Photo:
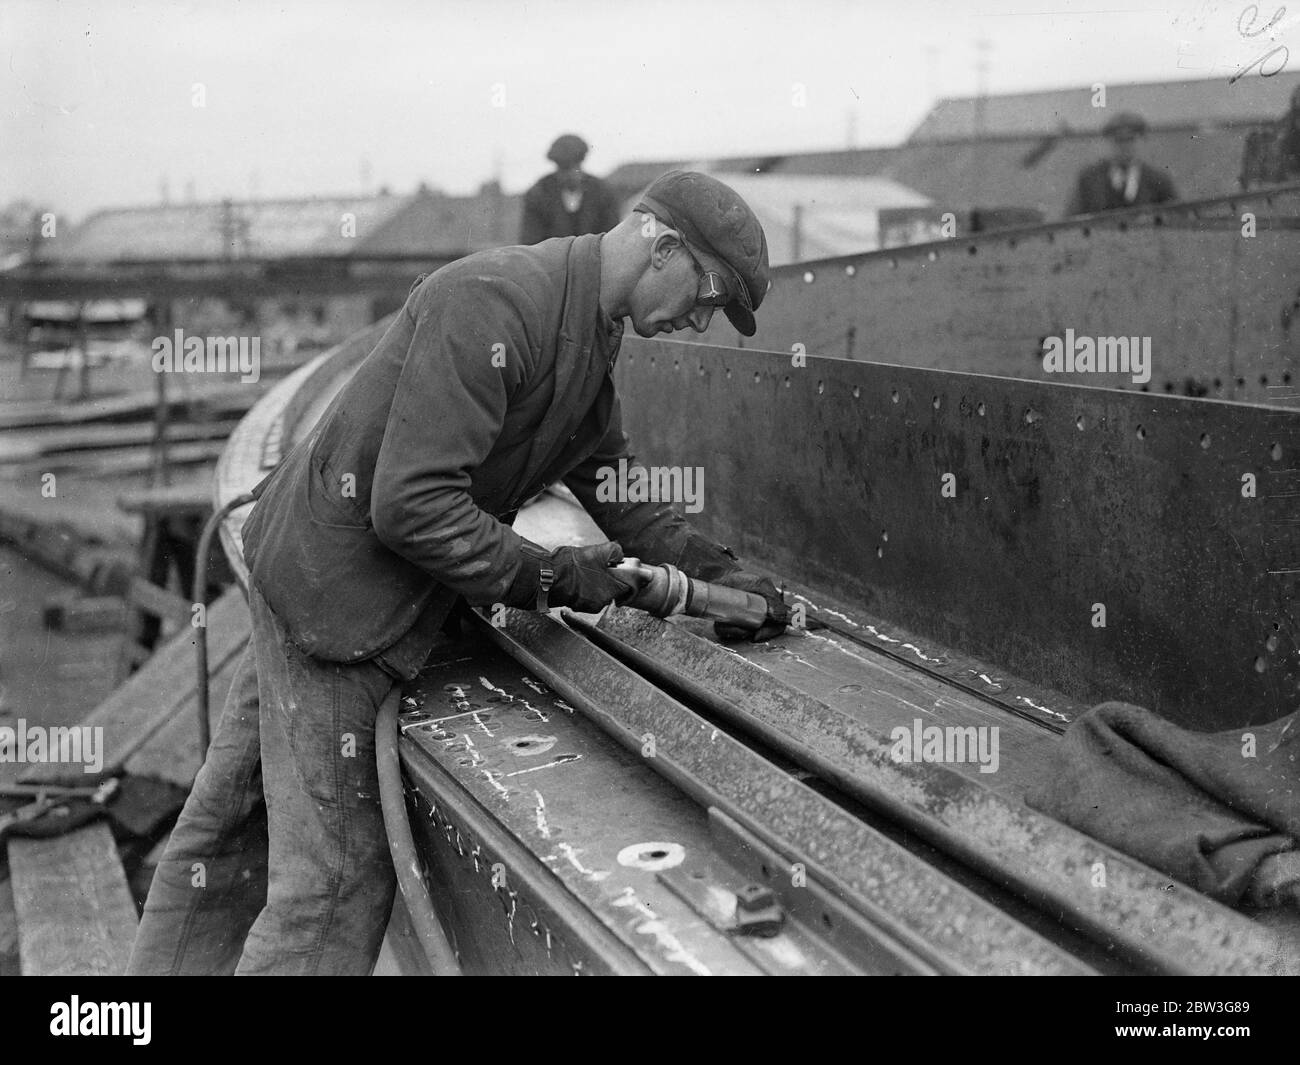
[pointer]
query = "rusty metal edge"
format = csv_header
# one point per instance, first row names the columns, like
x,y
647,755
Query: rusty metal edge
x,y
979,931
1120,220
529,876
1185,933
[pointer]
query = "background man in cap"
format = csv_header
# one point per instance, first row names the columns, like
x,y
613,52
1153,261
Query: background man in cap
x,y
568,202
1121,180
1272,153
495,380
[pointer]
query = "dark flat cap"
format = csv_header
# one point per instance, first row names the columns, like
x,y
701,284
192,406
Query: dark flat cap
x,y
568,150
713,217
1126,123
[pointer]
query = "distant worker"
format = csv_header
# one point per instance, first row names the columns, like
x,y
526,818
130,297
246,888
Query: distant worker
x,y
1121,180
1272,154
569,202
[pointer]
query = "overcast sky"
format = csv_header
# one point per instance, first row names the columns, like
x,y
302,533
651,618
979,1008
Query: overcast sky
x,y
310,97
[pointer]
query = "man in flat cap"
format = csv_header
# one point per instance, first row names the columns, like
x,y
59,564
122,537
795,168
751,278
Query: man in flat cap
x,y
1271,154
1121,180
569,201
495,380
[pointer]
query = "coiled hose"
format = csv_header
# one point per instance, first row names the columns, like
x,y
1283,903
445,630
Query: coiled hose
x,y
406,860
199,596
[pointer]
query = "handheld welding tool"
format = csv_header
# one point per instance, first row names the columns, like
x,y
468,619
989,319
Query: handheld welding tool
x,y
665,590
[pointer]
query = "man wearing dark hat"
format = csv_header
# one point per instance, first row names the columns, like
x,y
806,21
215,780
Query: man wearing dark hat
x,y
1271,153
568,202
495,380
1121,180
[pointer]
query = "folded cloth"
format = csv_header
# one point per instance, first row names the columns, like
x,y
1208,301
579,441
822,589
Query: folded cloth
x,y
1219,811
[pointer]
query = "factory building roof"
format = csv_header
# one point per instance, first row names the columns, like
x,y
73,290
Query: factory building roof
x,y
421,223
1202,103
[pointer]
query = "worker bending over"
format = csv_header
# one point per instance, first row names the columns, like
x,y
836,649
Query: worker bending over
x,y
495,380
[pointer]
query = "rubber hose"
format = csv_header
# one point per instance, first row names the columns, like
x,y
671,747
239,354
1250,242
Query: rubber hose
x,y
199,595
406,860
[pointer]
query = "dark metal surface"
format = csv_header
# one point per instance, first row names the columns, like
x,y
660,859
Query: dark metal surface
x,y
523,783
1140,914
1220,308
833,473
849,627
521,925
910,904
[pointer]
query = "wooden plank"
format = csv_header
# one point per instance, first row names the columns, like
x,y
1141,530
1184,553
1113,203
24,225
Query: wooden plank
x,y
117,460
37,413
168,500
163,687
74,909
27,445
74,612
172,753
159,601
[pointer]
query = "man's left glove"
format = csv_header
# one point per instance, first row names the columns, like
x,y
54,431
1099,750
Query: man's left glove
x,y
778,611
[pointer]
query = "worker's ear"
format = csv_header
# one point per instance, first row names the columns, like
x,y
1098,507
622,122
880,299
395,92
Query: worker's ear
x,y
665,245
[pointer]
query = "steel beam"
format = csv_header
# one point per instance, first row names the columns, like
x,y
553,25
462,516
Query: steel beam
x,y
1104,544
1212,283
1139,912
911,904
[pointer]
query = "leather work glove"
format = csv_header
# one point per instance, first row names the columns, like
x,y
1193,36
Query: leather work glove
x,y
778,612
576,577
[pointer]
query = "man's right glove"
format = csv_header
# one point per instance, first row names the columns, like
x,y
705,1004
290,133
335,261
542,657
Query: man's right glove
x,y
576,577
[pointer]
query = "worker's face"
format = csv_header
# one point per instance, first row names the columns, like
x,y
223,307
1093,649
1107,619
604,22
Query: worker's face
x,y
1123,148
665,299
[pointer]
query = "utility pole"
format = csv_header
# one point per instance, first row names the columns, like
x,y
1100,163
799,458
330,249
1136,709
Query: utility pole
x,y
975,184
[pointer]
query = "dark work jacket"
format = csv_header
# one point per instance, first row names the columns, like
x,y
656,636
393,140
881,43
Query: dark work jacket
x,y
493,381
544,214
1093,192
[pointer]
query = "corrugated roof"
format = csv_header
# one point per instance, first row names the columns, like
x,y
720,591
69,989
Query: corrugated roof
x,y
264,229
425,223
1169,104
433,224
1037,172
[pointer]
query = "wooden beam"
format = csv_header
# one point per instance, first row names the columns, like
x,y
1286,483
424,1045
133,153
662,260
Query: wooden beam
x,y
155,600
163,688
35,443
74,612
74,909
172,753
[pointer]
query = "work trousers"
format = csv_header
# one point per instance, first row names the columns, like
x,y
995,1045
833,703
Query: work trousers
x,y
279,863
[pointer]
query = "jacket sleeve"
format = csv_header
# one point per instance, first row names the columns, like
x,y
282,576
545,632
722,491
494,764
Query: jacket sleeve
x,y
1164,186
470,352
652,532
533,228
